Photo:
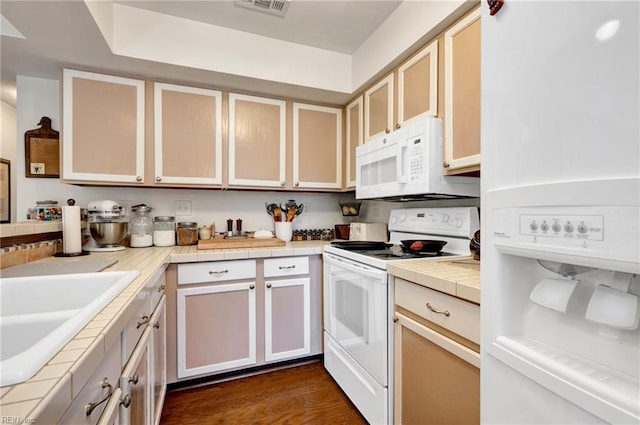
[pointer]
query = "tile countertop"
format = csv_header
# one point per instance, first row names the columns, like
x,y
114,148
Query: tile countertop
x,y
46,396
460,277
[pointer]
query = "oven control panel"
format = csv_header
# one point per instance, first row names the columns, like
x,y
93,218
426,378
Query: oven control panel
x,y
455,221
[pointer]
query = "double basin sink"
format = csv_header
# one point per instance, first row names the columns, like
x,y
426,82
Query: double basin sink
x,y
39,315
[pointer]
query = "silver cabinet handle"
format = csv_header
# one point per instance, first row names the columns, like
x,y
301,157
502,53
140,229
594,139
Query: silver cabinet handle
x,y
397,125
134,378
91,406
435,310
282,184
145,320
287,267
386,130
218,272
161,288
268,285
138,178
445,165
126,401
158,179
252,286
157,325
297,184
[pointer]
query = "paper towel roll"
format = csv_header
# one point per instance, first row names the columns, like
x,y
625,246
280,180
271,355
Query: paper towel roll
x,y
71,230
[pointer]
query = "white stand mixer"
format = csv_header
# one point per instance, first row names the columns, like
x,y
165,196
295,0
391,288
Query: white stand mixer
x,y
108,226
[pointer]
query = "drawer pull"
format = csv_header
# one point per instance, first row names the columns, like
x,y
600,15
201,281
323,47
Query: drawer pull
x,y
126,401
134,379
157,325
252,286
287,267
145,320
435,310
218,272
268,285
161,288
91,406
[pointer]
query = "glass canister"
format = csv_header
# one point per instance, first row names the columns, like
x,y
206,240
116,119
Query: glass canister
x,y
187,233
164,230
141,226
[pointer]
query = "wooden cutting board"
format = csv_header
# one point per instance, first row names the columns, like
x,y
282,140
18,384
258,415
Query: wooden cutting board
x,y
222,243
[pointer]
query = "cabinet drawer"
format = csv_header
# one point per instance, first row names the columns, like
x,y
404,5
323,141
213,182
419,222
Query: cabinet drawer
x,y
216,271
458,316
287,266
95,390
134,327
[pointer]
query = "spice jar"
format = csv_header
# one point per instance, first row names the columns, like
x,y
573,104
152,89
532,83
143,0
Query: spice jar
x,y
164,230
187,233
141,226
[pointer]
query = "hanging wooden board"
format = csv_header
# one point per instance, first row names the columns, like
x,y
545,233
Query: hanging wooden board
x,y
222,243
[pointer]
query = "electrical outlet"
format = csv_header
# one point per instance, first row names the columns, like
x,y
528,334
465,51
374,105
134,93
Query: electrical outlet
x,y
375,211
182,208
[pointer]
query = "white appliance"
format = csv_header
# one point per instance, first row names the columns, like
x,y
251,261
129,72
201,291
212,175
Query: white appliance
x,y
358,301
406,164
560,207
368,232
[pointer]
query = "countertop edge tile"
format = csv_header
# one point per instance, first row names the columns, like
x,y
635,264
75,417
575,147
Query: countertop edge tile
x,y
82,370
53,407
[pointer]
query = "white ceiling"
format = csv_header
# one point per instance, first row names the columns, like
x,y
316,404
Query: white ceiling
x,y
65,33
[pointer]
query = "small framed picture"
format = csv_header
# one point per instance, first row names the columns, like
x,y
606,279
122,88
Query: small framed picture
x,y
5,191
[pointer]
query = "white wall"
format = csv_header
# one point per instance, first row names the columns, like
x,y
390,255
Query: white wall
x,y
39,97
8,145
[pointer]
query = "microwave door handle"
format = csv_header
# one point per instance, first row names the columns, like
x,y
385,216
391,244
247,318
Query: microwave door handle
x,y
402,151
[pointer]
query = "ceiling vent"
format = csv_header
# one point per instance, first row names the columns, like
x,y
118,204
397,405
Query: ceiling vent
x,y
273,7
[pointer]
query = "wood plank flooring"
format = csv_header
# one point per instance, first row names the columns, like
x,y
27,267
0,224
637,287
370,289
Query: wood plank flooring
x,y
299,395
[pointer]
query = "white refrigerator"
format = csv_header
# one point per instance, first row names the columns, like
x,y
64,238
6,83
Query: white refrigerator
x,y
560,213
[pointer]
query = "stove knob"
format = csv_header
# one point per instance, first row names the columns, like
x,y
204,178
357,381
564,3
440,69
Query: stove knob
x,y
403,217
459,222
445,218
394,219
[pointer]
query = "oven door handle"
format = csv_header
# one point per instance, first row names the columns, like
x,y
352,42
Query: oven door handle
x,y
355,267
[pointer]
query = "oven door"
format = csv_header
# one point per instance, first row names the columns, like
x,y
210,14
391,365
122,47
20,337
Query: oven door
x,y
355,312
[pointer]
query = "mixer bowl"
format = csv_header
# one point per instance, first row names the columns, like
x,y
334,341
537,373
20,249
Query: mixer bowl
x,y
109,234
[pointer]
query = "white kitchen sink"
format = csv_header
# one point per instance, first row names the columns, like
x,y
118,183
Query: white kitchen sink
x,y
40,314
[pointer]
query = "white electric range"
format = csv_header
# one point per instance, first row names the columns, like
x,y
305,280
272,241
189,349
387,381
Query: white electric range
x,y
358,300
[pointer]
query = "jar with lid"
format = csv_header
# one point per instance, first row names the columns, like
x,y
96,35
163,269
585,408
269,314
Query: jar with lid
x,y
141,226
164,230
187,233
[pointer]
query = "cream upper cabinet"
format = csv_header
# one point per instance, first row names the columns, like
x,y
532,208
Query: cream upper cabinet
x,y
317,147
378,105
102,128
187,135
418,85
353,138
462,95
257,141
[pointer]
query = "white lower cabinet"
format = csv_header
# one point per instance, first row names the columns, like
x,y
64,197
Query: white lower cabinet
x,y
158,360
232,315
135,383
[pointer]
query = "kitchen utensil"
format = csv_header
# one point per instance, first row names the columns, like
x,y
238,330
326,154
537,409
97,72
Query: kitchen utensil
x,y
277,214
425,245
109,234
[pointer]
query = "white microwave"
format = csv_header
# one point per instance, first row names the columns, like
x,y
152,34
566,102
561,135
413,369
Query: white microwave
x,y
407,164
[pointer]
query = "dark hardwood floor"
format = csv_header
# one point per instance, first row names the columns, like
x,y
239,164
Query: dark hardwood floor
x,y
299,395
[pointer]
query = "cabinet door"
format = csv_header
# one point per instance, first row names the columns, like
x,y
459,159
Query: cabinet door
x,y
378,106
187,135
462,93
136,385
158,360
436,380
216,328
257,141
317,147
102,128
353,139
287,318
418,85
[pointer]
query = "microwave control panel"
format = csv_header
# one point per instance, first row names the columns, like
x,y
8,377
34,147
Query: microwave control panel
x,y
416,158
